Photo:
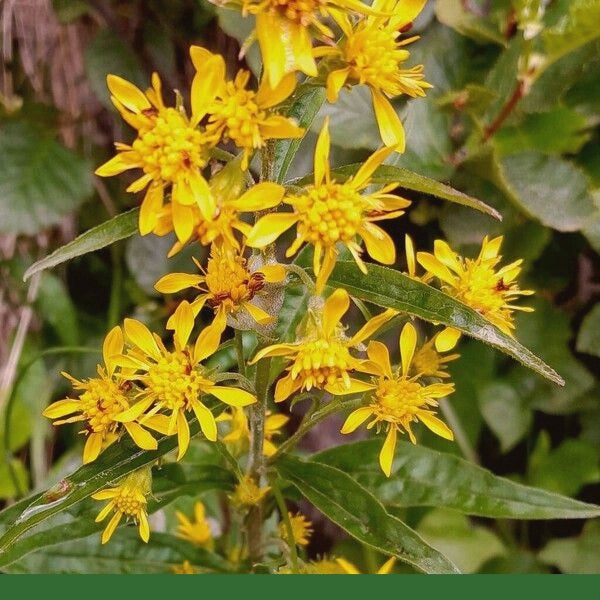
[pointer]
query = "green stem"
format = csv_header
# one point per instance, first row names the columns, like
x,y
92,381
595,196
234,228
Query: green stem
x,y
462,440
114,306
303,275
287,523
239,350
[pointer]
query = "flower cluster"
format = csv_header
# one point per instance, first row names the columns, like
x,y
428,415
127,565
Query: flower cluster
x,y
153,385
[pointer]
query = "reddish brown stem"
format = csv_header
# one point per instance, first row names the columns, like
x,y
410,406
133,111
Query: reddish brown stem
x,y
506,110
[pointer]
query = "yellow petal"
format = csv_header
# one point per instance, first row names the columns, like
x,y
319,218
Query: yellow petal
x,y
61,408
326,269
92,448
127,94
266,96
104,512
112,525
285,387
446,255
139,184
106,494
202,195
431,264
231,396
150,208
183,221
141,437
490,248
390,126
117,164
183,434
356,418
183,323
446,340
274,350
258,314
379,354
144,526
199,56
210,337
335,82
436,425
273,273
356,386
205,85
410,255
206,420
259,197
322,154
371,326
388,565
269,228
408,343
113,344
361,179
378,243
140,336
336,306
131,414
175,282
347,566
386,456
405,12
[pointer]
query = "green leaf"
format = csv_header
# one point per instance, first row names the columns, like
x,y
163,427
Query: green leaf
x,y
75,520
118,228
467,545
15,469
304,109
588,340
126,554
549,189
55,306
409,180
424,477
577,555
392,289
41,181
353,508
455,14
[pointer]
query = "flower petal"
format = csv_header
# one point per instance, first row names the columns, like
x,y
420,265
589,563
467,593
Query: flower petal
x,y
447,339
183,434
390,125
408,343
113,344
206,420
61,408
386,456
269,228
210,337
361,179
335,82
267,96
259,197
127,94
140,436
380,355
371,326
92,448
231,396
209,78
140,336
150,208
380,245
175,282
322,154
183,323
336,306
356,418
436,425
112,525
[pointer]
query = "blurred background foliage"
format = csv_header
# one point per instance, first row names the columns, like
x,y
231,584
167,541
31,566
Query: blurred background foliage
x,y
515,123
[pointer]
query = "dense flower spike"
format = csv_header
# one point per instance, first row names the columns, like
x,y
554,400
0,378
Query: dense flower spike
x,y
169,148
321,359
372,54
285,30
102,399
330,213
240,114
398,399
228,285
175,380
302,529
128,499
476,281
198,531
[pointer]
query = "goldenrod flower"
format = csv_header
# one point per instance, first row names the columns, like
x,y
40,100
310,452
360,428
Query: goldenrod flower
x,y
175,380
322,359
398,399
102,399
371,53
328,213
239,434
242,115
285,30
221,226
248,493
302,529
430,362
227,285
198,531
128,499
185,568
476,281
169,148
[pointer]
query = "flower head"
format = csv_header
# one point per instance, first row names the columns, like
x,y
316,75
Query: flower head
x,y
371,53
243,115
184,568
248,493
128,499
321,359
174,381
102,399
398,399
329,213
476,281
169,148
302,529
227,285
431,362
197,532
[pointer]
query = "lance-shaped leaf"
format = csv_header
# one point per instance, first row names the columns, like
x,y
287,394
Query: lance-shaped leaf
x,y
424,477
354,509
392,289
118,228
410,180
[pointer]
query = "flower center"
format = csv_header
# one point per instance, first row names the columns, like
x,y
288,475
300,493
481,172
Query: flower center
x,y
170,146
397,399
102,400
330,213
173,381
298,11
480,288
236,115
322,362
128,502
229,282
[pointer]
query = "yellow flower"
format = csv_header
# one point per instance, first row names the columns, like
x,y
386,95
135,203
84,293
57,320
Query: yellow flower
x,y
198,531
285,30
248,493
398,399
243,115
184,569
328,213
228,286
322,359
371,54
169,148
429,362
350,569
175,380
102,399
301,529
127,499
239,433
335,566
476,282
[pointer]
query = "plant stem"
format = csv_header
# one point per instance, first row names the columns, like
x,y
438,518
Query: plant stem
x,y
517,94
239,350
460,435
287,523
